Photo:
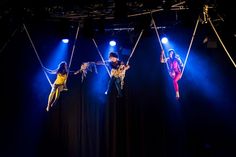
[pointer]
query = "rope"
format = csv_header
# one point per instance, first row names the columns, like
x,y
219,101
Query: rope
x,y
101,57
185,61
154,23
222,43
158,37
37,55
134,47
73,49
72,53
103,61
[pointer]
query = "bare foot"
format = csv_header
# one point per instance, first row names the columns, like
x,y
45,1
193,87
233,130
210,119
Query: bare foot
x,y
47,109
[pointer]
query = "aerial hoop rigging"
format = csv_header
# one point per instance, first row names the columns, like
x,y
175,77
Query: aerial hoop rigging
x,y
173,63
42,66
73,49
39,59
190,45
180,72
131,54
106,66
206,19
226,51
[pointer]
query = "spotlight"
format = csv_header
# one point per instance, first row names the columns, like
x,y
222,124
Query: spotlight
x,y
65,41
112,43
164,40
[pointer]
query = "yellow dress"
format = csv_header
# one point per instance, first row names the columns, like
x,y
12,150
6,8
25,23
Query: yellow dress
x,y
61,78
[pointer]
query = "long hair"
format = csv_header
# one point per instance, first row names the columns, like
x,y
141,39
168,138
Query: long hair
x,y
62,68
173,55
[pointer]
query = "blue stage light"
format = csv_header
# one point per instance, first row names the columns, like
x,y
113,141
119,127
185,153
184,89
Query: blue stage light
x,y
112,43
65,41
164,40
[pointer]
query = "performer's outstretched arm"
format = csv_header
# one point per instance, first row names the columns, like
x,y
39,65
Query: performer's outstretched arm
x,y
50,71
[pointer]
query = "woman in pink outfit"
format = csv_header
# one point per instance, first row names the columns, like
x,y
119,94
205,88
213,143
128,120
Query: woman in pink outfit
x,y
175,68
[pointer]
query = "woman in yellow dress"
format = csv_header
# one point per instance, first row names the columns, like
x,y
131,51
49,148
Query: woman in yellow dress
x,y
59,84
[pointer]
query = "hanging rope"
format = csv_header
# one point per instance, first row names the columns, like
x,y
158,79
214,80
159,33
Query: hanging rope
x,y
101,57
186,59
131,54
158,37
103,61
37,55
73,49
72,52
222,43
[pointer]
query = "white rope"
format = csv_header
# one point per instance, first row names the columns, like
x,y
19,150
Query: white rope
x,y
72,52
158,37
37,55
222,43
101,57
73,49
131,54
186,59
103,61
128,58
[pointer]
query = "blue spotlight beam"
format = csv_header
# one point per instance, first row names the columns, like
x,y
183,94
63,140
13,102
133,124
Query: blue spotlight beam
x,y
185,61
37,55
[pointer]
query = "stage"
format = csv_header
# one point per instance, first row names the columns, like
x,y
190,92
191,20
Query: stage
x,y
148,121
